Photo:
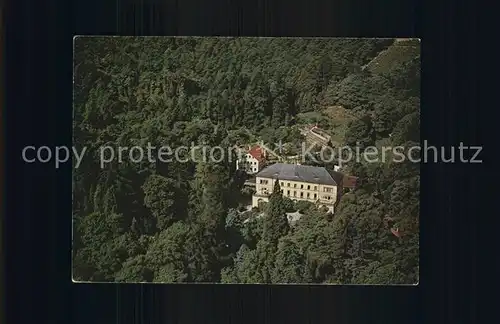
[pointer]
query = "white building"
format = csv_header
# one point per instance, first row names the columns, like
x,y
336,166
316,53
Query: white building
x,y
252,161
299,183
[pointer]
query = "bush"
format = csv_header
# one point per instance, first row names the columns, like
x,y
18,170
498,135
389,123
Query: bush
x,y
302,206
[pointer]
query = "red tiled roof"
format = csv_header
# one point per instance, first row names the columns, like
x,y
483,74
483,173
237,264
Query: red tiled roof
x,y
257,153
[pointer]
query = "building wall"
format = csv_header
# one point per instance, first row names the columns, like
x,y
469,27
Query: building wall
x,y
250,165
297,190
257,199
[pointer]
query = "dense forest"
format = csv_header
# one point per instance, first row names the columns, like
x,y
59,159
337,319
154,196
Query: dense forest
x,y
184,222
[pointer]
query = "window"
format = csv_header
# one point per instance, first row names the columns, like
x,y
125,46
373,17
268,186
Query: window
x,y
308,195
254,169
326,189
288,192
282,184
301,195
328,197
288,184
301,186
295,185
308,187
295,193
315,196
315,188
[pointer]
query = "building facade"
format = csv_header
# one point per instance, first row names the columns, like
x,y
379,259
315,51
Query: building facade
x,y
298,182
252,161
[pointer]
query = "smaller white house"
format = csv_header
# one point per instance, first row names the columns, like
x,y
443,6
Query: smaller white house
x,y
252,161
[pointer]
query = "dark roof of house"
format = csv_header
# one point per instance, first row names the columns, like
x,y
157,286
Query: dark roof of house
x,y
338,177
293,172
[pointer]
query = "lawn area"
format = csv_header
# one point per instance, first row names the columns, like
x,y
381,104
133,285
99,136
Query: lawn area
x,y
338,118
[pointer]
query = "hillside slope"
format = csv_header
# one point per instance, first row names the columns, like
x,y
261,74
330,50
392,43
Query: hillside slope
x,y
402,50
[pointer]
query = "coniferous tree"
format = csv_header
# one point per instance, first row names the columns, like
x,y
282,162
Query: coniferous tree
x,y
276,222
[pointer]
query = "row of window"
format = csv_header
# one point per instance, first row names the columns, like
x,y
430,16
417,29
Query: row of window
x,y
249,169
247,166
307,195
282,184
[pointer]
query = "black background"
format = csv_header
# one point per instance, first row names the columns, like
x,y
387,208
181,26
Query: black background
x,y
37,222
